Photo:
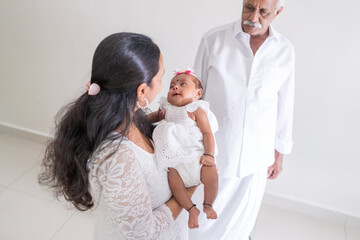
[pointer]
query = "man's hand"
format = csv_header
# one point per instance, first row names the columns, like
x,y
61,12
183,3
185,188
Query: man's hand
x,y
275,169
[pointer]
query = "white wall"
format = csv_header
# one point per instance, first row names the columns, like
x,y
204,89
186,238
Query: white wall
x,y
45,57
47,46
324,167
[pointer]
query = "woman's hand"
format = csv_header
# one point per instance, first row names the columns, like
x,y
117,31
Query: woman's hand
x,y
174,205
157,116
161,114
191,190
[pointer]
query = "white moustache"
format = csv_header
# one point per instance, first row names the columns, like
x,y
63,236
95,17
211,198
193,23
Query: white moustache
x,y
253,24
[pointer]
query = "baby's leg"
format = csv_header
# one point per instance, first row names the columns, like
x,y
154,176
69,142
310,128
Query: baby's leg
x,y
182,197
209,177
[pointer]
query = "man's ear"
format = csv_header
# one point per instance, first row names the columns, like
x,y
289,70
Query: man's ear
x,y
199,94
279,11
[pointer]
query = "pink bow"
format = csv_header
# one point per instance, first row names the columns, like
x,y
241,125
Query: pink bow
x,y
188,71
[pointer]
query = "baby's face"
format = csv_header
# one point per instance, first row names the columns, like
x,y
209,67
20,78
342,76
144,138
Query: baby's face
x,y
183,90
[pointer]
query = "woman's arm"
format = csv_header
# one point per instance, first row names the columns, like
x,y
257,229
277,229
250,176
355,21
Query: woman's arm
x,y
126,199
208,137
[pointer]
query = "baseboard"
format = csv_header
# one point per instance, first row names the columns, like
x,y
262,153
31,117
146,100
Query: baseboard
x,y
25,133
312,210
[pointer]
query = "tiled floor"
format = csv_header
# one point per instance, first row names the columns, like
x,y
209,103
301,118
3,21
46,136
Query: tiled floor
x,y
29,212
274,223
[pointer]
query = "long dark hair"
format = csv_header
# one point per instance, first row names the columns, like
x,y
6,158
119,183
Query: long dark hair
x,y
121,62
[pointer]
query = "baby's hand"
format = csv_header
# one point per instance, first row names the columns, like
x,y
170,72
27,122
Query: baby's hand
x,y
207,160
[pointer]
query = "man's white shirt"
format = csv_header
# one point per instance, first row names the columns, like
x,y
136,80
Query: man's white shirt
x,y
251,96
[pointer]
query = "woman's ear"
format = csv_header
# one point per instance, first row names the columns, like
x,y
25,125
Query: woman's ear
x,y
141,91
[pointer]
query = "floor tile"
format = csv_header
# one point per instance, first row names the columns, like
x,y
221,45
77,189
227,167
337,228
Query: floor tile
x,y
28,183
352,233
80,226
277,224
353,222
17,157
27,217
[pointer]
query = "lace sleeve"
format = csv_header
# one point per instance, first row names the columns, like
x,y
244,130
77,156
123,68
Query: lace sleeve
x,y
127,201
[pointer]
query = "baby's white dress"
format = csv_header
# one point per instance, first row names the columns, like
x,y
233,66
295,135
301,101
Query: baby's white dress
x,y
179,142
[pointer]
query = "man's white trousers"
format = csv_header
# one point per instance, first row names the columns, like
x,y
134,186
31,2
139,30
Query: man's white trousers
x,y
237,204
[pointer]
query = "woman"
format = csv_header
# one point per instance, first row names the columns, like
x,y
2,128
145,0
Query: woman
x,y
102,153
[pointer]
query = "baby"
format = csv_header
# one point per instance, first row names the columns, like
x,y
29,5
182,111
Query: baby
x,y
185,144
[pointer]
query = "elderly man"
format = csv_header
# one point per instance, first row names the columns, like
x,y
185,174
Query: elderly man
x,y
248,73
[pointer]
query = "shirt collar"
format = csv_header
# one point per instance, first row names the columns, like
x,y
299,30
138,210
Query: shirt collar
x,y
238,31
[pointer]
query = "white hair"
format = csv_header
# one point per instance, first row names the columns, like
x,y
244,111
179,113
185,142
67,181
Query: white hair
x,y
279,4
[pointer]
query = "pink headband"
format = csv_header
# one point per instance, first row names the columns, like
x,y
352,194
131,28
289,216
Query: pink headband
x,y
188,71
92,88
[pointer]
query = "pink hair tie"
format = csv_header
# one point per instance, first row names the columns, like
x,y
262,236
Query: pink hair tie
x,y
94,89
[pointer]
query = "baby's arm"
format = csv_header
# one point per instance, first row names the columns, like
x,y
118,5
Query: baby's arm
x,y
208,137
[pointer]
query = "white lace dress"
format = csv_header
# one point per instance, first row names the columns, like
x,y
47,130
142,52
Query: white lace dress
x,y
130,192
179,142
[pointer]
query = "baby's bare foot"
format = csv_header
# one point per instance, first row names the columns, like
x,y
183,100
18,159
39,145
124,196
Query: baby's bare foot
x,y
210,212
194,213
